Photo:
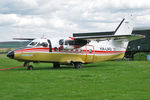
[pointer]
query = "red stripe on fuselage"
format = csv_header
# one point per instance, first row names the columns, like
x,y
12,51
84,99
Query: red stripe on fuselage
x,y
66,51
32,50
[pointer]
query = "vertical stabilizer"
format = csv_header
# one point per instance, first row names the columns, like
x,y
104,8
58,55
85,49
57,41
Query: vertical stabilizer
x,y
126,26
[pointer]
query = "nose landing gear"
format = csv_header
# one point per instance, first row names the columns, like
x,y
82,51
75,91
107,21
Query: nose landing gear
x,y
29,67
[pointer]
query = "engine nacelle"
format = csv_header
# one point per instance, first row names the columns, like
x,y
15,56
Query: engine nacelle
x,y
67,43
72,44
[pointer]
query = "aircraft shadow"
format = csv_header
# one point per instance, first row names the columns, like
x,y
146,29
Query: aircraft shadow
x,y
51,68
63,67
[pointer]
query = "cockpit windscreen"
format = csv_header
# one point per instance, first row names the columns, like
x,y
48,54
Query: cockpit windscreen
x,y
38,44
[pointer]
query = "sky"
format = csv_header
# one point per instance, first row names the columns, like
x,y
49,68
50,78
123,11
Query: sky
x,y
61,18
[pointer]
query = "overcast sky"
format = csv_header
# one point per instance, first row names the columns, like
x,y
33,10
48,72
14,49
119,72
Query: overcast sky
x,y
60,18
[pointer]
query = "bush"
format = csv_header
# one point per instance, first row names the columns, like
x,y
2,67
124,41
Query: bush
x,y
140,56
4,50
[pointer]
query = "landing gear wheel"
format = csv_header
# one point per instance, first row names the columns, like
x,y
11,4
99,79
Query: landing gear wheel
x,y
30,67
56,65
26,64
77,65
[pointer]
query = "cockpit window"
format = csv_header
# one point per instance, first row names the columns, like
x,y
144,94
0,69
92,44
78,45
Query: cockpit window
x,y
32,43
37,44
43,44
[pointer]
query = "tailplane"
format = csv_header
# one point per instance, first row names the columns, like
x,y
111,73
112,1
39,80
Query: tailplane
x,y
125,27
122,32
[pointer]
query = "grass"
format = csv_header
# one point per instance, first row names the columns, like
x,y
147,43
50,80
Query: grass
x,y
111,80
141,56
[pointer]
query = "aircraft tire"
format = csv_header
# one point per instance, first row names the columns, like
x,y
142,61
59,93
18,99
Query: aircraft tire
x,y
56,65
30,67
77,65
26,64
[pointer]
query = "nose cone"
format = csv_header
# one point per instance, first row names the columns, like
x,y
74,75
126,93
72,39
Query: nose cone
x,y
10,54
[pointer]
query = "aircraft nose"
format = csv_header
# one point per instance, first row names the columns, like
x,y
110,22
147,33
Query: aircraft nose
x,y
10,54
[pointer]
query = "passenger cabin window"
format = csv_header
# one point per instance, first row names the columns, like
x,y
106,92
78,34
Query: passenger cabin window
x,y
61,41
90,50
55,48
73,42
79,50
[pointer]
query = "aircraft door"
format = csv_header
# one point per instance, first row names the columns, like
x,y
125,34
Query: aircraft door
x,y
50,46
90,53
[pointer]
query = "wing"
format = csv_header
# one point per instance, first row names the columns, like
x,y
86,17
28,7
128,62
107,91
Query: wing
x,y
24,39
108,37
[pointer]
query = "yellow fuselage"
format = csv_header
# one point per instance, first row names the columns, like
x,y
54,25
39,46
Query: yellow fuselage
x,y
67,56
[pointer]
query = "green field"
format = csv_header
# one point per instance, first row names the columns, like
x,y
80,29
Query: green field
x,y
113,80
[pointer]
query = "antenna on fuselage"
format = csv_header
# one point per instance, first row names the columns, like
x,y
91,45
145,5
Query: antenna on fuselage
x,y
43,36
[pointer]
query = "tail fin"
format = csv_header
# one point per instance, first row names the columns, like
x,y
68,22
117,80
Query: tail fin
x,y
122,32
125,27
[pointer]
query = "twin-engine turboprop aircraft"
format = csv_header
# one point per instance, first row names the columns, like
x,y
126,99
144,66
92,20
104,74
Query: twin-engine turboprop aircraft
x,y
77,50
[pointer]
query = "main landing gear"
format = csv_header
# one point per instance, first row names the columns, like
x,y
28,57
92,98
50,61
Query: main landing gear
x,y
77,65
56,65
29,67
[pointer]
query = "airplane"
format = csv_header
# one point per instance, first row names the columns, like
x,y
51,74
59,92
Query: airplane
x,y
77,50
